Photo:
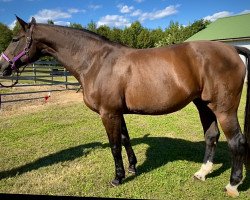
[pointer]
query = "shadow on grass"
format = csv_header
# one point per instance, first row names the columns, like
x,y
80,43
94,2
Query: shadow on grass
x,y
61,156
161,150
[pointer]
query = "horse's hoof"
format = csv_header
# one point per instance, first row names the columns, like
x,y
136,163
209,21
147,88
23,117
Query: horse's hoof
x,y
116,182
198,176
231,191
132,170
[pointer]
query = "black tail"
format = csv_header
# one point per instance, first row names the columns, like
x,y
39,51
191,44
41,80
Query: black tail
x,y
246,52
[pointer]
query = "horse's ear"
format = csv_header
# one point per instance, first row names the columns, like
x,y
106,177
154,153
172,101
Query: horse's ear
x,y
23,24
33,21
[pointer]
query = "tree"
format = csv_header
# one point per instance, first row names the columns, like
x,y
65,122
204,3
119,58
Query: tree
x,y
104,31
16,28
157,35
144,39
5,37
76,26
130,34
50,21
115,35
177,33
174,32
195,27
92,26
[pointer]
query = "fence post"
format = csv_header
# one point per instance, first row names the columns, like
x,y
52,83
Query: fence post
x,y
34,72
12,78
66,78
52,73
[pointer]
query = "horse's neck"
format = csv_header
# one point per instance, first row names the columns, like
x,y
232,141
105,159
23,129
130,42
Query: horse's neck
x,y
73,50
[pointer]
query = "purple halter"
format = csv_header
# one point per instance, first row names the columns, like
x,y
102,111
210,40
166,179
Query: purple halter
x,y
16,58
21,54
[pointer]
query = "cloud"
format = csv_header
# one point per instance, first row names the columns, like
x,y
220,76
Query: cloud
x,y
222,14
62,23
139,1
44,15
113,20
218,15
158,14
137,12
245,12
12,25
75,10
125,9
95,6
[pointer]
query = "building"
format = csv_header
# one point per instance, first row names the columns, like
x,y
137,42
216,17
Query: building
x,y
234,30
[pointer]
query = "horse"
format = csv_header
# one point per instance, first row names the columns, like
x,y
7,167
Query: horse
x,y
118,80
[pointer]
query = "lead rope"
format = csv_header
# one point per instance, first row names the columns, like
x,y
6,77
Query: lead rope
x,y
18,73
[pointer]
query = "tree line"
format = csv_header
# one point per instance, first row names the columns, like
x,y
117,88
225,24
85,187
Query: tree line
x,y
135,36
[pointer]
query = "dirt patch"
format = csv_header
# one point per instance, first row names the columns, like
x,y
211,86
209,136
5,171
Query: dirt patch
x,y
37,100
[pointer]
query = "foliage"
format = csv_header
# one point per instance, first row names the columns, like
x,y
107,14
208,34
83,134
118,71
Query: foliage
x,y
16,28
115,35
76,26
92,26
130,34
50,22
104,31
5,37
177,33
144,39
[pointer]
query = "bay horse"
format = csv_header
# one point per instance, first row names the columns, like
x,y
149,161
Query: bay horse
x,y
118,80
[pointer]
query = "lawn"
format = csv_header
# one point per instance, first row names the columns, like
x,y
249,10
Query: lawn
x,y
64,150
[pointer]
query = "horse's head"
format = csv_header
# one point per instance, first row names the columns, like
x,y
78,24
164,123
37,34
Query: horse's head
x,y
22,49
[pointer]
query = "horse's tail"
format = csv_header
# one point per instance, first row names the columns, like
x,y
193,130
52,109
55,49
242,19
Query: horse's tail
x,y
246,52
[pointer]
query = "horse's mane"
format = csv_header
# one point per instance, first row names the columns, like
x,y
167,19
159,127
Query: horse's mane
x,y
84,32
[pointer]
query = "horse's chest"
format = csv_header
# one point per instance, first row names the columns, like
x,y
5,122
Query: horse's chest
x,y
92,99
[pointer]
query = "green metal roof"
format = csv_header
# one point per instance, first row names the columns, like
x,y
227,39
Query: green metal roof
x,y
233,27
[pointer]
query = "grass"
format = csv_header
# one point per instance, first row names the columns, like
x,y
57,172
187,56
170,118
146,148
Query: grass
x,y
64,150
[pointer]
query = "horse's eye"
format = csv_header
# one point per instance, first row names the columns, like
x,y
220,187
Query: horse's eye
x,y
15,39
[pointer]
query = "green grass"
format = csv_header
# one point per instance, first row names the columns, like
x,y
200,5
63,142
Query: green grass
x,y
64,150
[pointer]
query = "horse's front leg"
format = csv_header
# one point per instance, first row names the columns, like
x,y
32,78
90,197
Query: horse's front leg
x,y
112,123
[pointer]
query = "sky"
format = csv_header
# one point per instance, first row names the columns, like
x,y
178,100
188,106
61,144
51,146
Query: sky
x,y
120,13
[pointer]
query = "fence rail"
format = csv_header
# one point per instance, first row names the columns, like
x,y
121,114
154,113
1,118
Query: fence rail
x,y
38,74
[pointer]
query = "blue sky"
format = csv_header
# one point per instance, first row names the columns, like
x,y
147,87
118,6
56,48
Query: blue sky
x,y
120,13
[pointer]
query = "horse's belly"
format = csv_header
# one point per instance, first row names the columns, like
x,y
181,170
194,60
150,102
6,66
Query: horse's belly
x,y
157,102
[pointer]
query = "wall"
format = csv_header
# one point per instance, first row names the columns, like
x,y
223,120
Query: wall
x,y
241,43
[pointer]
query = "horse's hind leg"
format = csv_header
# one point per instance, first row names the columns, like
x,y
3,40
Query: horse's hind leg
x,y
211,132
126,143
237,145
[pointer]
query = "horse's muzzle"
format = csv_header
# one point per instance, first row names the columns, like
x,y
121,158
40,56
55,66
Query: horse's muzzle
x,y
5,68
7,72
